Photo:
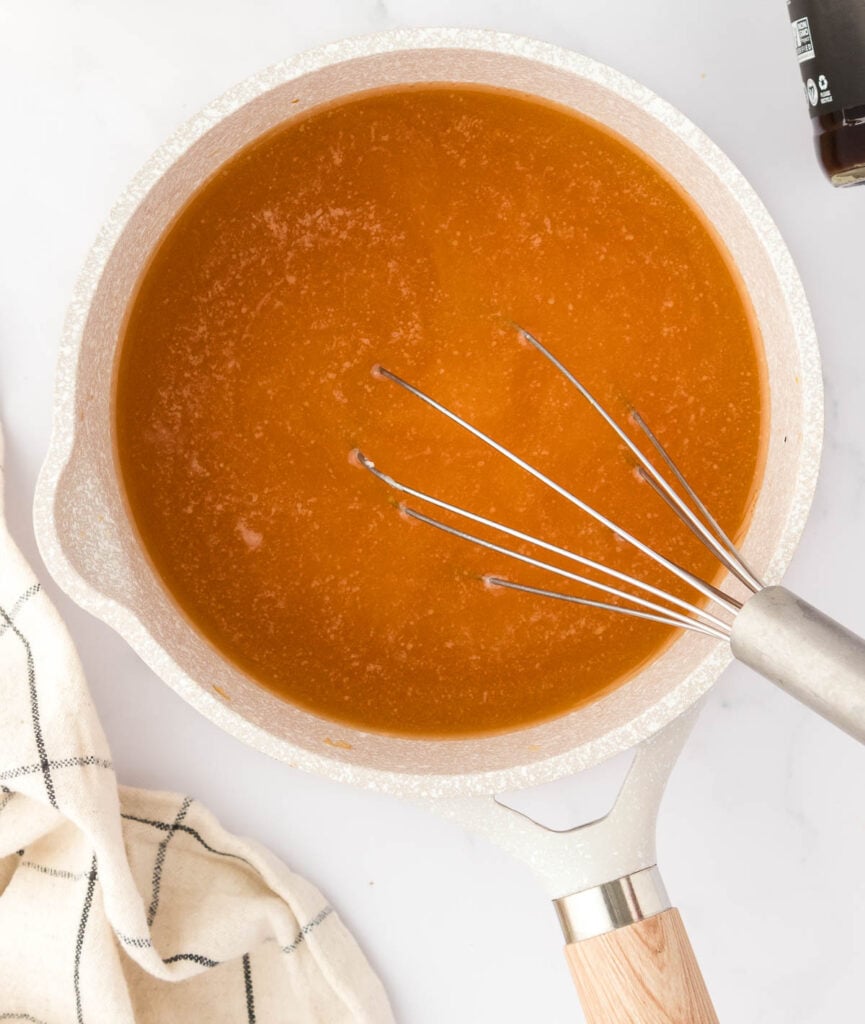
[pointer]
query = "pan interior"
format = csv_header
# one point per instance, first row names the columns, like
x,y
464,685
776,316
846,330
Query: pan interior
x,y
412,227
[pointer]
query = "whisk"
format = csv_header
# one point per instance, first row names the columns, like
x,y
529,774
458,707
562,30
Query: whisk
x,y
772,630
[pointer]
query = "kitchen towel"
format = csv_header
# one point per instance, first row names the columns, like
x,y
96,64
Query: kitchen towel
x,y
120,905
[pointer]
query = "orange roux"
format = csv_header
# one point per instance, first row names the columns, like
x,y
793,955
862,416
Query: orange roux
x,y
410,227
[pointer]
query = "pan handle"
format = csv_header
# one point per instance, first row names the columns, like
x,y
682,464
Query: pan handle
x,y
806,653
630,956
645,973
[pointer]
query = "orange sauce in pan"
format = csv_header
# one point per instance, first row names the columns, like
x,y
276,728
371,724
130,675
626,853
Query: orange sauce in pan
x,y
410,228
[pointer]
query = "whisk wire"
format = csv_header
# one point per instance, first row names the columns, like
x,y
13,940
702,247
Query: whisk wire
x,y
722,548
661,614
696,627
589,563
706,589
739,566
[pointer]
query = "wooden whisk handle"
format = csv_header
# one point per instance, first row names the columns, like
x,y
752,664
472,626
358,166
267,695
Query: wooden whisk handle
x,y
645,973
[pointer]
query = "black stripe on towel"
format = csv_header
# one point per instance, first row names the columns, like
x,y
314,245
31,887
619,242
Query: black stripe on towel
x,y
73,876
250,996
165,827
63,762
160,859
31,591
34,707
79,942
306,929
196,958
128,940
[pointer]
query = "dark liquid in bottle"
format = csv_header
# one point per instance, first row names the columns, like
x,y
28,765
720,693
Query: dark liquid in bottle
x,y
840,141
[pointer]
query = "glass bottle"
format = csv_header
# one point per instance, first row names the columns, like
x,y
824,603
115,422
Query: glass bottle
x,y
829,36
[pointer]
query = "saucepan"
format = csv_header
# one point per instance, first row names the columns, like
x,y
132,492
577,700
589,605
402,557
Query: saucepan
x,y
629,953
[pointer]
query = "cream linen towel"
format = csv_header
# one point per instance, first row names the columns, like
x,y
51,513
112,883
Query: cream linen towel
x,y
121,905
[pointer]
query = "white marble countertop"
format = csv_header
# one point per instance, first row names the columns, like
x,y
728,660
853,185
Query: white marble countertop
x,y
762,834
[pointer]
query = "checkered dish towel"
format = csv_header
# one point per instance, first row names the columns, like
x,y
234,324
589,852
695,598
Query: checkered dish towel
x,y
121,905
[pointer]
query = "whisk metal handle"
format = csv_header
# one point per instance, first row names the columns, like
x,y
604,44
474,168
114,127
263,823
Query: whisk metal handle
x,y
811,656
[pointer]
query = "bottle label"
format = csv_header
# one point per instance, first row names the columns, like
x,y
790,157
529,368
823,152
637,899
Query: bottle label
x,y
829,36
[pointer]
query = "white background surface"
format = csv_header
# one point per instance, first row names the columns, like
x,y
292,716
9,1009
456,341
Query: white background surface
x,y
762,834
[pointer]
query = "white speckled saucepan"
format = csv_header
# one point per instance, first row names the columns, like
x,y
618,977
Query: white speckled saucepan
x,y
91,549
